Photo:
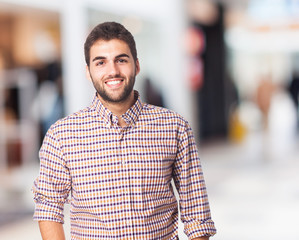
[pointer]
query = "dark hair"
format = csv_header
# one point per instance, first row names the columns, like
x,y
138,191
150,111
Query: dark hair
x,y
108,31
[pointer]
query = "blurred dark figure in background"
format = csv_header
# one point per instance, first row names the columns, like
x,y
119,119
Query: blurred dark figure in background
x,y
50,98
213,96
294,91
152,95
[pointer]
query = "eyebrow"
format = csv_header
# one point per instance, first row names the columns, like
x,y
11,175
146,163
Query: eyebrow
x,y
118,56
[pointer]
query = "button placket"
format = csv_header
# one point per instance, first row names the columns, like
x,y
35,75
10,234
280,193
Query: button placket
x,y
126,184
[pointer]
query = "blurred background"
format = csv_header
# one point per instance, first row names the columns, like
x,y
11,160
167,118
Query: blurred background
x,y
230,67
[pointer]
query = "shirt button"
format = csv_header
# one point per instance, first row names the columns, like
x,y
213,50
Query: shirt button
x,y
121,136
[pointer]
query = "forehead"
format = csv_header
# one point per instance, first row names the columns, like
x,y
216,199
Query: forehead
x,y
110,47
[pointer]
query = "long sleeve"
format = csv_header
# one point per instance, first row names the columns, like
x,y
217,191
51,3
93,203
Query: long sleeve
x,y
51,188
189,181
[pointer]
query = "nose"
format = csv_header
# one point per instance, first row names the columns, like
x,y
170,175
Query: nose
x,y
113,69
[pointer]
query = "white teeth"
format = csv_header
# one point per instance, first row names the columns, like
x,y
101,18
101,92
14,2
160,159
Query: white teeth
x,y
113,82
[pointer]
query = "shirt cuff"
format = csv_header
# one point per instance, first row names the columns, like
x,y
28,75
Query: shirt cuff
x,y
200,229
48,211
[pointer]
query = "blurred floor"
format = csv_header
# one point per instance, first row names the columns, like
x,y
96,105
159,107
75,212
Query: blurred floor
x,y
253,190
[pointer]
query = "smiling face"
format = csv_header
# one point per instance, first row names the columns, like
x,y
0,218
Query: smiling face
x,y
112,71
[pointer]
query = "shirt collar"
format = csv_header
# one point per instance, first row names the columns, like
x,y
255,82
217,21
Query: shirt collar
x,y
130,117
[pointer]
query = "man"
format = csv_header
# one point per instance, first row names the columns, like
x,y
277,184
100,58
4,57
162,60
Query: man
x,y
117,158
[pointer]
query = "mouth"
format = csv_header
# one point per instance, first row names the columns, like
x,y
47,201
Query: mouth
x,y
114,82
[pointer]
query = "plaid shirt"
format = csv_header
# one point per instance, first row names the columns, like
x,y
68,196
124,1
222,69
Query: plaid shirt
x,y
120,178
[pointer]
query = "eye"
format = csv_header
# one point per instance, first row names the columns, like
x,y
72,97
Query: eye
x,y
122,60
100,63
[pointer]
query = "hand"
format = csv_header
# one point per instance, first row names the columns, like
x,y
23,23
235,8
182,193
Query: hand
x,y
201,238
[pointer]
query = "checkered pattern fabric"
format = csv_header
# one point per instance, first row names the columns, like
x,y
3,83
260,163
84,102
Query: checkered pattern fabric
x,y
118,180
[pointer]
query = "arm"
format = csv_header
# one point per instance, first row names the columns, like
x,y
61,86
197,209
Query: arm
x,y
51,188
189,181
51,230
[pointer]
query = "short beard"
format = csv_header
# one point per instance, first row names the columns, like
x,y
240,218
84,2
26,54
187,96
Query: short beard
x,y
121,98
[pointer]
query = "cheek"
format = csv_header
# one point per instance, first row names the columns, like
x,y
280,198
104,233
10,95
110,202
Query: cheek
x,y
97,74
129,72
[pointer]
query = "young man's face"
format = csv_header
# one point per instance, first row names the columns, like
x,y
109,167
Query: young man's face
x,y
112,70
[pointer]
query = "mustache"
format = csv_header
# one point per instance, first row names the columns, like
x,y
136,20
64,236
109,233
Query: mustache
x,y
114,76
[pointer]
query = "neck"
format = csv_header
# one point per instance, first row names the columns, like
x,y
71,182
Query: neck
x,y
119,108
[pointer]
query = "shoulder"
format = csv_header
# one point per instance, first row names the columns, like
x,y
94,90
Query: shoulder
x,y
155,113
74,120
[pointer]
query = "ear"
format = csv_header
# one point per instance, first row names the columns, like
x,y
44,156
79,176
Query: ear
x,y
87,73
137,66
